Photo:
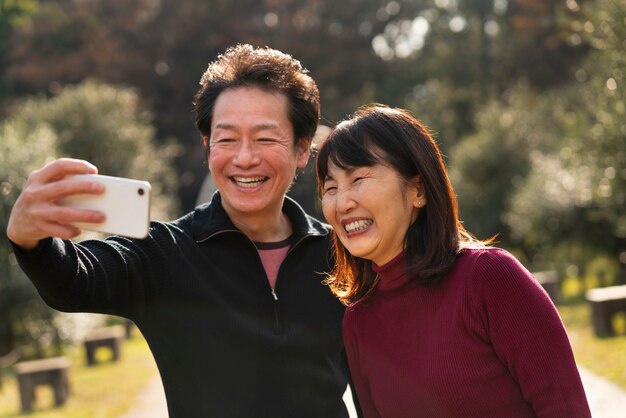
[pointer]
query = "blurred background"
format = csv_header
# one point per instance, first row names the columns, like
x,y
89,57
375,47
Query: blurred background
x,y
525,98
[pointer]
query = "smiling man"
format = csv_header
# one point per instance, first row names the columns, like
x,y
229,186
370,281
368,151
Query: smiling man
x,y
230,296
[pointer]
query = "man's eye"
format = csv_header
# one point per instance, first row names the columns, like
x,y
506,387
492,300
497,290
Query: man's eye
x,y
224,141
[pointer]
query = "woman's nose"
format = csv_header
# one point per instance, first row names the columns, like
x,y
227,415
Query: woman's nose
x,y
345,201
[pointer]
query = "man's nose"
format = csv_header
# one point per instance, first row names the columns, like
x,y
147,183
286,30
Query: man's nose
x,y
246,155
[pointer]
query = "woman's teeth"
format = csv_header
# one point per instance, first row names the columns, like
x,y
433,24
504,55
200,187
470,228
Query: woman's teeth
x,y
358,225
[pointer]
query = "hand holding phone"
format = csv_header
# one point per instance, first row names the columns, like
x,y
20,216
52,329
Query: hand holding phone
x,y
125,203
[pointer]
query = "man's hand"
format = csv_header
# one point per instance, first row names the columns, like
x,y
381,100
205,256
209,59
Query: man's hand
x,y
36,215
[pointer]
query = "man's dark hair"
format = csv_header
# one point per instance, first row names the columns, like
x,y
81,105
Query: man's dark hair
x,y
267,69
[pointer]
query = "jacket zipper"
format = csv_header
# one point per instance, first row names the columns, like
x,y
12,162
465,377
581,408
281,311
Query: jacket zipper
x,y
276,316
277,321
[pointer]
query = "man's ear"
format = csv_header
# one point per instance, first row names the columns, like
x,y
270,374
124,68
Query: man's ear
x,y
303,152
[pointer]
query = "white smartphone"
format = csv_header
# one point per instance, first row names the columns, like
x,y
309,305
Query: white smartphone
x,y
126,203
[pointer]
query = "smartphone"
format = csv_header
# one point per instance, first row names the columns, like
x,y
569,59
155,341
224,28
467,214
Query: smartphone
x,y
125,202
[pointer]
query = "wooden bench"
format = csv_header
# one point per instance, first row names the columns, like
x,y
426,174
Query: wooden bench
x,y
129,326
109,337
551,283
51,371
606,302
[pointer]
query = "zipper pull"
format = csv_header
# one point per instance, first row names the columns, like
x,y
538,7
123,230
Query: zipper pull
x,y
274,294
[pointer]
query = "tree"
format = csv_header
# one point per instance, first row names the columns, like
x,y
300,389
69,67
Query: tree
x,y
13,14
444,59
486,166
577,191
94,121
17,159
107,126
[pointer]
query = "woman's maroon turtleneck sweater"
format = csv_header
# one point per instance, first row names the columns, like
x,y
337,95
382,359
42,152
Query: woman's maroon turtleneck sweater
x,y
485,342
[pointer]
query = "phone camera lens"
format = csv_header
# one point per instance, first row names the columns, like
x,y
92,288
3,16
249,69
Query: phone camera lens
x,y
140,192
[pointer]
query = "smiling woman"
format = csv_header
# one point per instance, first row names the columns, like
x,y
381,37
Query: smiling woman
x,y
438,323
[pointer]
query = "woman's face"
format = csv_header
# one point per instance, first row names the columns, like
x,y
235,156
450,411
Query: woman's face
x,y
370,209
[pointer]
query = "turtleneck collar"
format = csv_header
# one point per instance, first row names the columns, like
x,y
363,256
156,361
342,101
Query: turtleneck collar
x,y
392,274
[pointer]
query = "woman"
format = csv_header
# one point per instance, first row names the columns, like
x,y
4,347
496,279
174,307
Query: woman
x,y
439,324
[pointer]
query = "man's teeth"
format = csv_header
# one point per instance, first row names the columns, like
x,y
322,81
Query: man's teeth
x,y
358,225
248,181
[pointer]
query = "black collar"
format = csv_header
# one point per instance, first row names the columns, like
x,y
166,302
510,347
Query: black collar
x,y
210,219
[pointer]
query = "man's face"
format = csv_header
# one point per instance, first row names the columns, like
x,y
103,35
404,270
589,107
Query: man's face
x,y
252,157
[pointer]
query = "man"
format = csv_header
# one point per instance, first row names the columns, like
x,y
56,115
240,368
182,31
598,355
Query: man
x,y
229,297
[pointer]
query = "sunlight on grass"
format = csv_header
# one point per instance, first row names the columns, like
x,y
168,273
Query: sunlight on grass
x,y
603,356
106,390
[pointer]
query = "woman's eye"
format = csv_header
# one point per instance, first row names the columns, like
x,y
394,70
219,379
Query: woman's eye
x,y
329,189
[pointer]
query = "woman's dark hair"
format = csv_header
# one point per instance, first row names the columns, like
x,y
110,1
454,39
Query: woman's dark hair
x,y
377,134
267,69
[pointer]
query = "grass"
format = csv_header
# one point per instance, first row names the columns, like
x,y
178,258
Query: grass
x,y
106,390
603,356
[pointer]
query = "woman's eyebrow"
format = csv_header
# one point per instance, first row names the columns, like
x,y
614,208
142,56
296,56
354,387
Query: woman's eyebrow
x,y
349,171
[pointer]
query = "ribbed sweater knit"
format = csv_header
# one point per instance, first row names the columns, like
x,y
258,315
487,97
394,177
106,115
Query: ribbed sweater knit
x,y
485,342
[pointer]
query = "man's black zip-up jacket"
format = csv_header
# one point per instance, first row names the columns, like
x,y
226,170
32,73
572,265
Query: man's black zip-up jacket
x,y
224,343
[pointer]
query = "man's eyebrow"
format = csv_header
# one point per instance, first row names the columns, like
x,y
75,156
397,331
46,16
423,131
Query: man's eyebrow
x,y
226,126
265,126
258,127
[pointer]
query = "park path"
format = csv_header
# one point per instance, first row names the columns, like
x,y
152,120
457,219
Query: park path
x,y
606,399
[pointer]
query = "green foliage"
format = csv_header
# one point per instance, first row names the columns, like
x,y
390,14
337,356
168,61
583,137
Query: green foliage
x,y
548,169
576,191
13,13
107,126
23,148
92,121
486,166
443,59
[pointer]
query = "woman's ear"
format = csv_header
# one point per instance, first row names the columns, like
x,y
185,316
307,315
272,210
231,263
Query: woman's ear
x,y
418,195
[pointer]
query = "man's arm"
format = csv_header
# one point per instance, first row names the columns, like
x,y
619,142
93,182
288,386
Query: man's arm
x,y
36,214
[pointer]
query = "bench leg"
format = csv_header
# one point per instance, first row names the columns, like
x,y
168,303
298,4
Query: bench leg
x,y
602,320
91,355
27,393
116,350
61,389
